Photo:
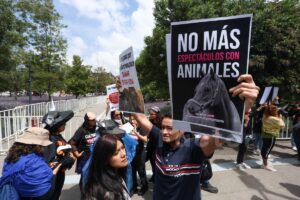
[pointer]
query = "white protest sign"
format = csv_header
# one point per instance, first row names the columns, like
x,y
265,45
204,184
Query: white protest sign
x,y
131,99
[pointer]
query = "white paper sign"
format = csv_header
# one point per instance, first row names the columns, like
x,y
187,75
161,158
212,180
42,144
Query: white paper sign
x,y
113,96
131,99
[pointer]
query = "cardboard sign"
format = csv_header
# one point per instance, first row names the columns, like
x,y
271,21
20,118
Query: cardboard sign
x,y
131,99
207,57
113,96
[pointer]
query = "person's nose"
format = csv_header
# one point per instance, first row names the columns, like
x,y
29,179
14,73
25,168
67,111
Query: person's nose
x,y
164,130
123,153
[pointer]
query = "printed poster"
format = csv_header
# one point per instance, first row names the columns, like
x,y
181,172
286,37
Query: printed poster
x,y
207,57
113,96
131,99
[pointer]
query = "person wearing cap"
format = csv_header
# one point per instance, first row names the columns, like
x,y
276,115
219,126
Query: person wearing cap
x,y
26,168
55,123
81,141
178,159
155,119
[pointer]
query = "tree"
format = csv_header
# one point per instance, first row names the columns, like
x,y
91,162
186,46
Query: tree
x,y
47,47
77,79
100,79
274,52
12,43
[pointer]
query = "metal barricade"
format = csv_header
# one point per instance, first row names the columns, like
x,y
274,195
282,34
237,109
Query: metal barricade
x,y
13,121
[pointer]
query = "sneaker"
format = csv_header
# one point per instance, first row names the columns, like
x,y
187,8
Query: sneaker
x,y
294,148
246,166
240,167
269,168
209,188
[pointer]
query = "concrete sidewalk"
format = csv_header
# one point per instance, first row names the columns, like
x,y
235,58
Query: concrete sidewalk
x,y
252,184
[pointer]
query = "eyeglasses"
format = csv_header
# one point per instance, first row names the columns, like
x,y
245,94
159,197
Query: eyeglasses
x,y
117,114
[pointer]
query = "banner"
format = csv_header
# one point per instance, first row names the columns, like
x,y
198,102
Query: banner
x,y
113,96
131,99
207,57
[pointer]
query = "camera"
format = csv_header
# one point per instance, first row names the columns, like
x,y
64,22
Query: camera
x,y
63,156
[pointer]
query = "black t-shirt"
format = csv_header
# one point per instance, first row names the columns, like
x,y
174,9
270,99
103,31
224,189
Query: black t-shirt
x,y
177,171
83,139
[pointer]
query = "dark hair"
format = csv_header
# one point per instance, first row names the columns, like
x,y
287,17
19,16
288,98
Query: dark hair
x,y
102,178
157,121
112,115
271,110
19,149
167,115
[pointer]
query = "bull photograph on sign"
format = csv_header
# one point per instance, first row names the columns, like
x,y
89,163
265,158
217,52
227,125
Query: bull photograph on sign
x,y
130,99
207,57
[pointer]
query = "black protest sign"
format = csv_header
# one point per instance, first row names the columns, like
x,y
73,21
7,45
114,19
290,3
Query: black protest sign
x,y
207,57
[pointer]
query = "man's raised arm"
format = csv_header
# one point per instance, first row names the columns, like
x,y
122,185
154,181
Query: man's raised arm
x,y
143,122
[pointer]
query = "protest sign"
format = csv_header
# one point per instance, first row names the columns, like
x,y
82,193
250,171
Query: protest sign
x,y
270,93
113,96
207,57
131,99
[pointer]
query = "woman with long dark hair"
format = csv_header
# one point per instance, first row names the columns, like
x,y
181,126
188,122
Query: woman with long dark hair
x,y
107,170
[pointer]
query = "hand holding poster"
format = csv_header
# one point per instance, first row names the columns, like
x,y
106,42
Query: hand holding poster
x,y
113,96
207,57
131,99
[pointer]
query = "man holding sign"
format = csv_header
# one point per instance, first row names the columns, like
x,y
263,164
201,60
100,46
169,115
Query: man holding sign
x,y
179,160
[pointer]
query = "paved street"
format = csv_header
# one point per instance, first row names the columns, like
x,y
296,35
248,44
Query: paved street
x,y
252,184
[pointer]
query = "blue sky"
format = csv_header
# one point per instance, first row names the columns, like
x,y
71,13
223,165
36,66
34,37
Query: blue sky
x,y
99,30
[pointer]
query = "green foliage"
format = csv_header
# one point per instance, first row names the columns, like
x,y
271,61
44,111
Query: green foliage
x,y
100,79
77,78
274,52
11,43
30,35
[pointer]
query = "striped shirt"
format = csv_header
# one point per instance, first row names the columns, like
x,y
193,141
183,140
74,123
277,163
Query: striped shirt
x,y
177,170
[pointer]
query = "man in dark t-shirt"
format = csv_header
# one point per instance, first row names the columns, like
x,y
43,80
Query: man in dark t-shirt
x,y
178,160
83,138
